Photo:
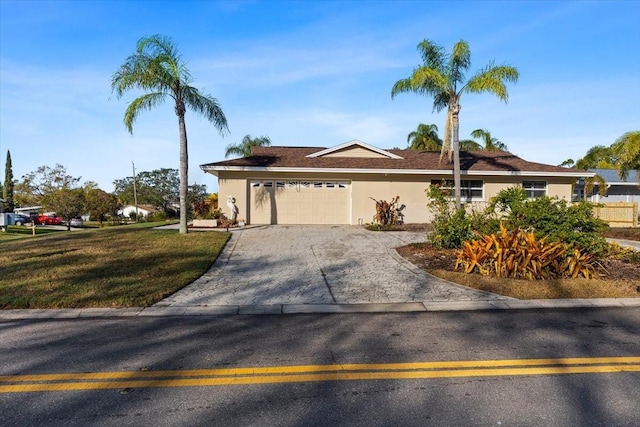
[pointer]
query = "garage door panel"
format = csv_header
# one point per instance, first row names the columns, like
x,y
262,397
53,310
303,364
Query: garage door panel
x,y
299,202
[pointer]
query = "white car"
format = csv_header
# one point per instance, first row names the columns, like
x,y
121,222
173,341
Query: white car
x,y
76,222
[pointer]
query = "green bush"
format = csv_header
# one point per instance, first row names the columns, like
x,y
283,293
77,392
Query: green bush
x,y
156,216
552,219
450,227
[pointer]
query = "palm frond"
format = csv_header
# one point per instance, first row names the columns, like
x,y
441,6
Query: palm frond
x,y
433,56
205,105
493,79
144,102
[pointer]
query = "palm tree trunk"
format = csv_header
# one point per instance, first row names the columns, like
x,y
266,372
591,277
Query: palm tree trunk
x,y
184,173
456,153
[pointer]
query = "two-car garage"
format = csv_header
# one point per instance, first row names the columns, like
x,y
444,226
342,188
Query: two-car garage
x,y
299,201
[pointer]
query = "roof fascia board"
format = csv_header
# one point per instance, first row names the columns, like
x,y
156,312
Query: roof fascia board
x,y
354,142
394,171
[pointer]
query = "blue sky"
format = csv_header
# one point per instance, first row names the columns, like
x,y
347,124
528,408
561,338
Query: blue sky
x,y
308,73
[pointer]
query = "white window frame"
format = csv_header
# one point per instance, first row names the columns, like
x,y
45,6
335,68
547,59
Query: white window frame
x,y
534,192
466,188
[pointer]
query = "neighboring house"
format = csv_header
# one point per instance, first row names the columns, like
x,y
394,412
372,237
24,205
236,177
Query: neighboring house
x,y
143,210
617,189
307,185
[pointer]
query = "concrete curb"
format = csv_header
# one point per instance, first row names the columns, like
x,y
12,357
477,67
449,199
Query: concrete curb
x,y
220,310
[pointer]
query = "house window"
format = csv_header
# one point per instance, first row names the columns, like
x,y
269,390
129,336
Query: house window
x,y
535,189
469,189
279,184
330,184
317,184
267,184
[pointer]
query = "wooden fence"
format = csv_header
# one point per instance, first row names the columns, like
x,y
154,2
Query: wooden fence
x,y
618,214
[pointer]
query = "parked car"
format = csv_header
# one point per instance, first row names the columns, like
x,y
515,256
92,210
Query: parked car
x,y
76,222
50,219
18,219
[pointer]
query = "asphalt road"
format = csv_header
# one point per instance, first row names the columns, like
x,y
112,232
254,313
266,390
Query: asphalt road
x,y
333,391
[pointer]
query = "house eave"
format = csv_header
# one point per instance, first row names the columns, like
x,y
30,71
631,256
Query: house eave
x,y
213,169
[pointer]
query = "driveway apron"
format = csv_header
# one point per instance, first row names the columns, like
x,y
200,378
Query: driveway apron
x,y
273,265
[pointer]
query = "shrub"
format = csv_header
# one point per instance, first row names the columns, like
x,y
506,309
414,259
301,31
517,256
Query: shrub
x,y
156,216
450,226
550,218
519,255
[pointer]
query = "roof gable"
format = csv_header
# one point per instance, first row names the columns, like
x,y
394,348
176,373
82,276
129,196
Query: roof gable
x,y
355,148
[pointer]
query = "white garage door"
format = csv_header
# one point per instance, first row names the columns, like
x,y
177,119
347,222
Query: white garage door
x,y
299,202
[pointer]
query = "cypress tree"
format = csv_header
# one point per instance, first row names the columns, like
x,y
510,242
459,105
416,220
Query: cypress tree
x,y
7,189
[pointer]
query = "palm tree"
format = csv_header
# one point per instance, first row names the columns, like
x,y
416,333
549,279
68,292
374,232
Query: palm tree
x,y
490,143
597,157
469,145
157,69
244,148
442,76
425,137
627,151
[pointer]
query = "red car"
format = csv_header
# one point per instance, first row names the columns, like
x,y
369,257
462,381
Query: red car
x,y
49,219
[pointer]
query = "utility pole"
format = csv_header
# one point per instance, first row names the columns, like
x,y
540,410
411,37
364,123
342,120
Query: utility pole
x,y
135,194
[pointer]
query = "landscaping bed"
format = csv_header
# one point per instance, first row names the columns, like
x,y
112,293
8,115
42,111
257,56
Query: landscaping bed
x,y
617,279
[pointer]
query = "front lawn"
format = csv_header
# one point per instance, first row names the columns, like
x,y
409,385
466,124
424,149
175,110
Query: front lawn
x,y
132,266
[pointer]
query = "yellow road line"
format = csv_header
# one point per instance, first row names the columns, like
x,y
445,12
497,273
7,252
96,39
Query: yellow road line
x,y
327,376
273,370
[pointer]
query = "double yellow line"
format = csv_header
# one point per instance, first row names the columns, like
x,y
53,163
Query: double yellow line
x,y
311,373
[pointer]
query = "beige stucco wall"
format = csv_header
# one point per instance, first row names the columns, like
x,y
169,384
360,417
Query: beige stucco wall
x,y
410,188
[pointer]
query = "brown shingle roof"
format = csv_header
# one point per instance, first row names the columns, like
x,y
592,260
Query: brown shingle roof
x,y
295,157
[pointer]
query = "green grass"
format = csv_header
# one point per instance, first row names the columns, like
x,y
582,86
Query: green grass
x,y
21,232
132,266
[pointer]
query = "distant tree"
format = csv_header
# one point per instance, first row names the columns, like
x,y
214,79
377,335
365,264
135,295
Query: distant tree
x,y
157,69
626,149
33,186
159,188
569,163
442,77
8,187
425,137
490,143
67,203
244,148
99,204
197,194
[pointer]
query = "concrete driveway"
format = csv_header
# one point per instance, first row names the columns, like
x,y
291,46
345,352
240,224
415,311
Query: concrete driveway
x,y
274,265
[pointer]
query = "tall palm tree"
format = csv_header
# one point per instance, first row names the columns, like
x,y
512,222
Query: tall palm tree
x,y
244,148
490,143
442,77
627,151
425,137
157,69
